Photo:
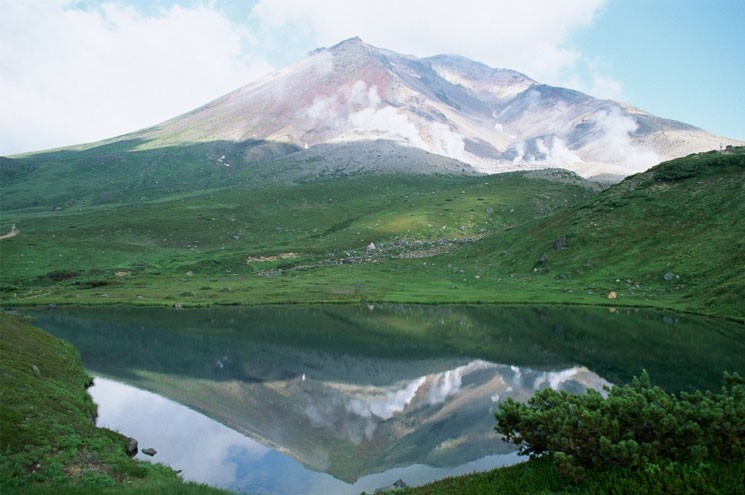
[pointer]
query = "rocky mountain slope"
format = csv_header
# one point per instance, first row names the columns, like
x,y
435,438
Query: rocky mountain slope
x,y
494,120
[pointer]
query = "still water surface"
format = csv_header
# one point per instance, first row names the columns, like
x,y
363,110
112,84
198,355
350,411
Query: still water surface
x,y
344,399
209,452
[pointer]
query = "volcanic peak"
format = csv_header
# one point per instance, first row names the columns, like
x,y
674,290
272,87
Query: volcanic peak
x,y
494,120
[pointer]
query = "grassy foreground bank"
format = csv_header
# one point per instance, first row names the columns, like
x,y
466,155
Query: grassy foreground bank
x,y
48,439
540,477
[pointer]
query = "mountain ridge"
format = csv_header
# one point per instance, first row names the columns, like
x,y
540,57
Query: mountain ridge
x,y
494,120
490,119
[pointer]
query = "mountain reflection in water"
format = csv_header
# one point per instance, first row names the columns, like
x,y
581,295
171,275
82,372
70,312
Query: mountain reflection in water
x,y
372,418
358,413
211,453
352,398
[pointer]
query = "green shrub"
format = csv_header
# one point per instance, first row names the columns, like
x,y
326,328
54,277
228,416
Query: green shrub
x,y
636,426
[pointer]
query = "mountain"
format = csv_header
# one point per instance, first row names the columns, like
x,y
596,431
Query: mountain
x,y
353,109
494,120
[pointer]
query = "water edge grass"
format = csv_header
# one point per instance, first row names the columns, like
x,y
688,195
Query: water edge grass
x,y
48,437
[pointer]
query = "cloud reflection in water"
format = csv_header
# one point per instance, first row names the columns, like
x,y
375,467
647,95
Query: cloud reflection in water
x,y
209,452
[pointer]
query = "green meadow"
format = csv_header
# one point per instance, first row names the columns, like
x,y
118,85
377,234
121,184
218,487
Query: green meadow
x,y
670,237
124,224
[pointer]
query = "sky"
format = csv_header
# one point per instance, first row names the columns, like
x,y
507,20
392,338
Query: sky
x,y
75,71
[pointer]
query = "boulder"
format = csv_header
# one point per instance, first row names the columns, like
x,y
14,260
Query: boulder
x,y
397,485
132,447
149,451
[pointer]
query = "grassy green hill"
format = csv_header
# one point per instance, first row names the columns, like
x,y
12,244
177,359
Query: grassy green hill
x,y
673,234
157,227
262,240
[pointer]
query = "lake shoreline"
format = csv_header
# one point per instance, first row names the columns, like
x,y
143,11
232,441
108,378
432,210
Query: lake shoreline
x,y
633,305
533,476
62,451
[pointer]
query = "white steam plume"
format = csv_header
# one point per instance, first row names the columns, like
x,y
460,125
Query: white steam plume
x,y
616,141
557,154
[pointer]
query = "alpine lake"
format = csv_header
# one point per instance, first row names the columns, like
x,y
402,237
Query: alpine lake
x,y
343,399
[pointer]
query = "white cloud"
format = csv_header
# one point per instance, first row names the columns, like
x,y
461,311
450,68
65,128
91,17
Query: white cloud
x,y
603,86
530,36
323,109
591,79
69,75
157,421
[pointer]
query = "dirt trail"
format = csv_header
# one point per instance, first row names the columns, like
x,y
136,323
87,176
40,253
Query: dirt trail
x,y
10,234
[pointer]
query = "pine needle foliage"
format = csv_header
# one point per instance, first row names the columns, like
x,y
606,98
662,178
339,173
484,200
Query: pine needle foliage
x,y
637,426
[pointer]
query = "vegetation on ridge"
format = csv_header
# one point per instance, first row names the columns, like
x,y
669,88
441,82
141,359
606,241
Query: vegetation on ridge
x,y
671,235
541,477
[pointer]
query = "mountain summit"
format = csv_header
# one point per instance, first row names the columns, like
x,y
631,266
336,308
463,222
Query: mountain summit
x,y
495,120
